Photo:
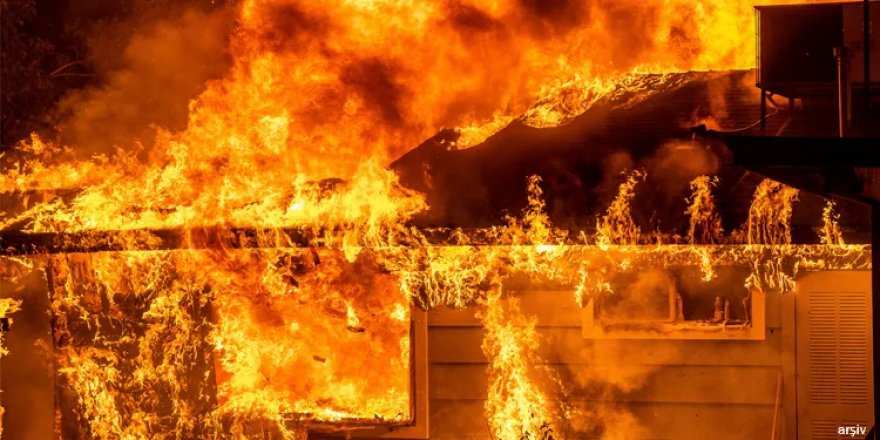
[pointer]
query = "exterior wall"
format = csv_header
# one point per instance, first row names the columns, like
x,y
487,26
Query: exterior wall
x,y
681,389
725,389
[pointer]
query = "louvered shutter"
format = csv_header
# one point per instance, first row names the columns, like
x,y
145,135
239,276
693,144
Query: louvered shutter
x,y
834,363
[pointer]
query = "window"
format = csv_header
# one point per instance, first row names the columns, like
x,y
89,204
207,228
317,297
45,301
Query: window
x,y
676,303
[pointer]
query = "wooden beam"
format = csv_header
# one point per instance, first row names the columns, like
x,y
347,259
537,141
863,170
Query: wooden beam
x,y
18,243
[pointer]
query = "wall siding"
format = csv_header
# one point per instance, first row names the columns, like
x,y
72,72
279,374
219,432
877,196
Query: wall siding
x,y
681,389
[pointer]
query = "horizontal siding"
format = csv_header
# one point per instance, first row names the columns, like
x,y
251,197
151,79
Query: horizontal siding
x,y
671,384
566,345
550,308
464,420
558,309
678,388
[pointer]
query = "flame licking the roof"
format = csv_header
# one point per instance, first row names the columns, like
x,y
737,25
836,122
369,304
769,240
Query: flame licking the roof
x,y
319,98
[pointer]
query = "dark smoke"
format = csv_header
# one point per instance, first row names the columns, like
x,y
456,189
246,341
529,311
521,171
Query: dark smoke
x,y
147,70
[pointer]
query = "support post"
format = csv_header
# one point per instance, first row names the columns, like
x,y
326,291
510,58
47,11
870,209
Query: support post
x,y
763,111
875,306
866,16
57,389
842,89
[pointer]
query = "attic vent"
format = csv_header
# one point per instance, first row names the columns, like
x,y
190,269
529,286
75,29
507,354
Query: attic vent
x,y
838,359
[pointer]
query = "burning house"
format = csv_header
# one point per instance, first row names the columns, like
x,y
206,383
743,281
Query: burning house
x,y
450,220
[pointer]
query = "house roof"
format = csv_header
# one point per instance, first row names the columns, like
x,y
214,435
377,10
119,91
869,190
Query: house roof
x,y
647,125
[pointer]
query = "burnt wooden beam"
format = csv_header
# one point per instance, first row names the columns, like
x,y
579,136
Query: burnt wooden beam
x,y
804,151
796,151
822,165
19,243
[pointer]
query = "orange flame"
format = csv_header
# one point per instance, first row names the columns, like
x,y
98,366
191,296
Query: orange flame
x,y
770,213
705,223
830,233
517,407
618,226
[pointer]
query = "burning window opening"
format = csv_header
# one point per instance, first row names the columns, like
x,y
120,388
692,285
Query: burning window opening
x,y
192,348
677,304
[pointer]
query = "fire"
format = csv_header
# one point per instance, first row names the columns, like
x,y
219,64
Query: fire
x,y
315,87
301,347
129,344
517,407
770,214
320,97
830,233
257,335
617,226
705,223
7,307
334,347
